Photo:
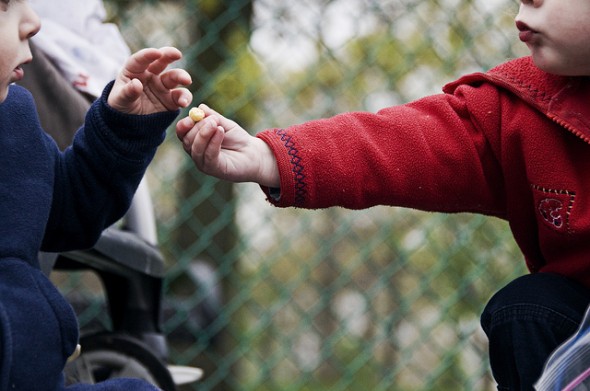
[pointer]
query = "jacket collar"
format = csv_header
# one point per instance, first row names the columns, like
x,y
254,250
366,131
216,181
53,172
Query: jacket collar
x,y
565,100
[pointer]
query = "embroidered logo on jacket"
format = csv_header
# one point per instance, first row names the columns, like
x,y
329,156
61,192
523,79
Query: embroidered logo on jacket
x,y
554,207
552,211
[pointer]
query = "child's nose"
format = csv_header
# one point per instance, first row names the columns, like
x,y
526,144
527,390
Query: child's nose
x,y
31,23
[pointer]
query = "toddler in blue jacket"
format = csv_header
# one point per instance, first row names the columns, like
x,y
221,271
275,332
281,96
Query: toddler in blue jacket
x,y
58,201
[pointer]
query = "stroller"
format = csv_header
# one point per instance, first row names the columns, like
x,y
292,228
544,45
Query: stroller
x,y
127,260
131,268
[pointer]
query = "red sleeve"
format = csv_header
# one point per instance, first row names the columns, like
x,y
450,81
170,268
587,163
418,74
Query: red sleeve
x,y
435,154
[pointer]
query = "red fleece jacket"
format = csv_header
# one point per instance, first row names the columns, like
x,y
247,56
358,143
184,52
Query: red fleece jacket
x,y
512,143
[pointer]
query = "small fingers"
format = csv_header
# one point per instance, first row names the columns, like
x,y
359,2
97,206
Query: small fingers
x,y
202,138
140,61
187,131
152,60
222,121
175,77
208,110
168,55
181,97
126,96
183,126
206,148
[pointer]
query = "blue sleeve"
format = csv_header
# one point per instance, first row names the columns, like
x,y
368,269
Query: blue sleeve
x,y
96,177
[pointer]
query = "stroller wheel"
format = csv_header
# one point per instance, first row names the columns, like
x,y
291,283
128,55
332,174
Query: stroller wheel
x,y
108,356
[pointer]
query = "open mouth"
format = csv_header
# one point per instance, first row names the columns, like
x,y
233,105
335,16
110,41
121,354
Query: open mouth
x,y
18,73
526,33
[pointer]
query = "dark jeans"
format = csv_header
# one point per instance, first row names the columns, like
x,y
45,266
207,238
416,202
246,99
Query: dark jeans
x,y
526,320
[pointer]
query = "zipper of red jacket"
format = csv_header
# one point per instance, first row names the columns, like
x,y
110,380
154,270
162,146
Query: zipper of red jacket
x,y
569,128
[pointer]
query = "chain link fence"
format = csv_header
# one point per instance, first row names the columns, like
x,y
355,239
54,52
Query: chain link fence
x,y
270,299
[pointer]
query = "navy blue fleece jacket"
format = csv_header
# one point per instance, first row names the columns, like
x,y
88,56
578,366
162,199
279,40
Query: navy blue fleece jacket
x,y
58,201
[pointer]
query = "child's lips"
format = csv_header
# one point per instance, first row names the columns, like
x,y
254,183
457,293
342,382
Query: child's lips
x,y
526,36
526,33
19,73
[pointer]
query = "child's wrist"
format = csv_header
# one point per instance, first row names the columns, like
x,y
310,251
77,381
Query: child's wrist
x,y
268,172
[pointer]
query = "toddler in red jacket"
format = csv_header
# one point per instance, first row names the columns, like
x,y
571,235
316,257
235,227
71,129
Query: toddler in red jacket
x,y
512,142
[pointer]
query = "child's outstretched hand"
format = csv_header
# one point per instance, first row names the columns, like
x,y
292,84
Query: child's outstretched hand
x,y
146,86
223,149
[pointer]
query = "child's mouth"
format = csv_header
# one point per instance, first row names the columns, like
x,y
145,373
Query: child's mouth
x,y
525,34
19,73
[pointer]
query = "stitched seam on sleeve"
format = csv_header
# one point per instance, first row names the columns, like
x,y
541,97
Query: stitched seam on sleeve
x,y
296,167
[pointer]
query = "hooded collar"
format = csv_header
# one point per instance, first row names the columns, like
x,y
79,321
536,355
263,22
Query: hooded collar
x,y
563,99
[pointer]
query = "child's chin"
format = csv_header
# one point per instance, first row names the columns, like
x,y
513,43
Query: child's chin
x,y
557,67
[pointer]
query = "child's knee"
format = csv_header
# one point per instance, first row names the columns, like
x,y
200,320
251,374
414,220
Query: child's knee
x,y
544,298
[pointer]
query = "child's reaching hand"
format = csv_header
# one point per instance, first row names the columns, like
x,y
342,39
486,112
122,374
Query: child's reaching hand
x,y
145,86
222,148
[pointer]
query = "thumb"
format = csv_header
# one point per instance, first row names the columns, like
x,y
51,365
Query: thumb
x,y
125,97
223,121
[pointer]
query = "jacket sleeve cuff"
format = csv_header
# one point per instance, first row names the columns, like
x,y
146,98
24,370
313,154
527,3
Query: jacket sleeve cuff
x,y
130,134
289,169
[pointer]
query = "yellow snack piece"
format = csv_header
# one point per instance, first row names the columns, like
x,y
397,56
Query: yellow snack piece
x,y
196,114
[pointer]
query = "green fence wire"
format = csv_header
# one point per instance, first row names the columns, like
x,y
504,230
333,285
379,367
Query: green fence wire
x,y
378,299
